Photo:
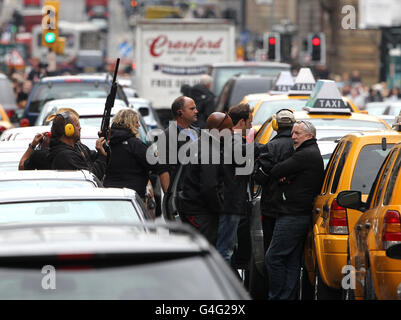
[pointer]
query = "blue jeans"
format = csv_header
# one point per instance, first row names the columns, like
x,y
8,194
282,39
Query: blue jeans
x,y
227,235
283,258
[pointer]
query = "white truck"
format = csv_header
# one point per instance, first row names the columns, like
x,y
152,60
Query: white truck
x,y
172,52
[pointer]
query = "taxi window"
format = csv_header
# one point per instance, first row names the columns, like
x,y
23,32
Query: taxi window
x,y
383,180
392,180
340,167
332,164
268,108
369,161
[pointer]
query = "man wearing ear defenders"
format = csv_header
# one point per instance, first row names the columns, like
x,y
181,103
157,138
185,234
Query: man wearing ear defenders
x,y
67,153
276,150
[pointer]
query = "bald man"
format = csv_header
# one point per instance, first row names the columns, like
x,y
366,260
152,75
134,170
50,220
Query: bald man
x,y
202,192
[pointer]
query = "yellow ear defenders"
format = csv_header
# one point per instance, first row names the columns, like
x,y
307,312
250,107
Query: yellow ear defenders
x,y
69,129
275,125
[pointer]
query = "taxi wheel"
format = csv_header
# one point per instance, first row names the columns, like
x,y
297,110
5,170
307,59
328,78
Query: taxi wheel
x,y
369,290
321,290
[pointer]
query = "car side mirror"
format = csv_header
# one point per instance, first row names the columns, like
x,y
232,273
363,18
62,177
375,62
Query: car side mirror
x,y
350,199
143,111
394,252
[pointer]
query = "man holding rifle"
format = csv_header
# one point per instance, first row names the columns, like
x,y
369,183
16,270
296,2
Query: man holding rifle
x,y
66,154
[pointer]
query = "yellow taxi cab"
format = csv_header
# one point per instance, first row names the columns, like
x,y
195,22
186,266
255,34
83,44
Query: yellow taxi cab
x,y
5,122
353,165
283,96
377,230
282,84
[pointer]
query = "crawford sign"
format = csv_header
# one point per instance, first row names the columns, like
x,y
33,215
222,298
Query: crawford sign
x,y
171,53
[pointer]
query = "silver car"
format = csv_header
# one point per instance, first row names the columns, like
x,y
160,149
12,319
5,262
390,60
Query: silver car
x,y
42,179
71,205
112,262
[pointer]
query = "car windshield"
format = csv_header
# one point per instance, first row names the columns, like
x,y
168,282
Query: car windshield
x,y
66,90
225,73
242,88
393,110
369,161
379,108
73,210
252,102
329,135
97,121
358,125
144,281
6,185
268,108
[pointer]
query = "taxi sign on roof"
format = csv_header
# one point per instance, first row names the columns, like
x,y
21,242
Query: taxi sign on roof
x,y
304,83
283,83
326,96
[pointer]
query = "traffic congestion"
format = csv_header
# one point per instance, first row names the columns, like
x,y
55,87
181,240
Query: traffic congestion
x,y
148,151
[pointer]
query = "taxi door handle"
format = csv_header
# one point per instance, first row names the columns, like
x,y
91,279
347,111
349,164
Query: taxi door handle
x,y
367,225
359,227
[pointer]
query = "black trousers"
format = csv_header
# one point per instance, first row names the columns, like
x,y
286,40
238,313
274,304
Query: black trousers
x,y
268,227
206,224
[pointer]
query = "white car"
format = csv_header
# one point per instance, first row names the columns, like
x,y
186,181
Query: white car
x,y
144,107
89,135
72,204
41,179
10,154
86,107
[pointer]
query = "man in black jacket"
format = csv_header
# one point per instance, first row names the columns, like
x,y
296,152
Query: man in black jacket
x,y
235,185
67,154
276,150
204,99
302,174
179,132
202,189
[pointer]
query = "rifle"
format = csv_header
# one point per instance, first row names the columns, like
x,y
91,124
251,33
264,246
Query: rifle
x,y
109,104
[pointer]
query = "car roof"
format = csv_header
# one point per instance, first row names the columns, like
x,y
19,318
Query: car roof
x,y
249,64
367,135
143,101
100,102
28,133
104,77
61,194
92,238
351,115
86,106
46,175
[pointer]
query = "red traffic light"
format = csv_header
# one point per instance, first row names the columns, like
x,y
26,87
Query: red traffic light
x,y
316,41
272,40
